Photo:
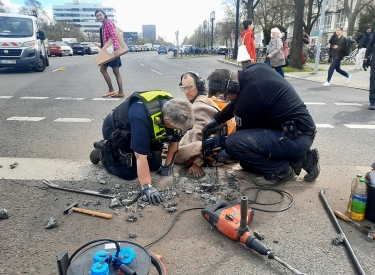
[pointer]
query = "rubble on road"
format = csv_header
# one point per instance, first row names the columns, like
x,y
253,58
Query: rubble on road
x,y
4,214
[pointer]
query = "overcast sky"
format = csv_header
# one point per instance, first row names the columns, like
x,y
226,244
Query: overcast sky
x,y
167,15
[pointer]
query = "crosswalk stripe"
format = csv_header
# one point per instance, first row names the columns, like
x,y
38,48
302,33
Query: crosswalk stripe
x,y
348,104
105,98
6,96
34,97
70,98
73,120
315,103
26,118
357,126
324,126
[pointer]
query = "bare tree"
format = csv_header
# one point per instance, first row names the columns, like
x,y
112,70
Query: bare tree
x,y
250,6
352,10
2,10
313,13
296,53
30,4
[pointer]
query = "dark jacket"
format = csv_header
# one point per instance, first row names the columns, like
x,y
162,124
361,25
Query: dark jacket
x,y
370,46
339,53
363,40
265,101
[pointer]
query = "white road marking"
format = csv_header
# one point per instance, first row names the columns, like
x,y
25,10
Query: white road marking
x,y
68,119
70,98
76,63
26,118
358,126
348,104
34,97
155,71
315,103
6,96
105,98
324,126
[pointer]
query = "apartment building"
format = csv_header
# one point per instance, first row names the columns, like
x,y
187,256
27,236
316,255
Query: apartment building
x,y
82,15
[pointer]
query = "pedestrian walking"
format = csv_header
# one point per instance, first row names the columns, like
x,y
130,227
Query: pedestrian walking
x,y
107,31
248,40
275,56
338,53
331,40
366,64
362,41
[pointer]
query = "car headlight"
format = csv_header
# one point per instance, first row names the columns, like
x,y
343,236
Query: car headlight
x,y
28,44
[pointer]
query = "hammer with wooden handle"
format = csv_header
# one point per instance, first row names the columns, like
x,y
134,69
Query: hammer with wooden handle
x,y
74,208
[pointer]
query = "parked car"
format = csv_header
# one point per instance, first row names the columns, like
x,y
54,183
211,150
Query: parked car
x,y
162,49
55,49
76,47
66,49
90,48
222,50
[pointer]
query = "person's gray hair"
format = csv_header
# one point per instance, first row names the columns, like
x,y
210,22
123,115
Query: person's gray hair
x,y
179,113
276,30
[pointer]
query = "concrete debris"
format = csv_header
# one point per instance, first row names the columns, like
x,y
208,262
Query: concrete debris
x,y
132,218
117,186
116,212
126,202
141,205
114,203
13,165
105,190
132,235
1,166
188,192
96,202
103,182
52,222
4,214
215,199
205,196
86,202
170,204
171,209
207,187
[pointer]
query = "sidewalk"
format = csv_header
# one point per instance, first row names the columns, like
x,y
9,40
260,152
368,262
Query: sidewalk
x,y
359,80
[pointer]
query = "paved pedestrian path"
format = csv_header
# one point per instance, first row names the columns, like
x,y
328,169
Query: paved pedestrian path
x,y
360,79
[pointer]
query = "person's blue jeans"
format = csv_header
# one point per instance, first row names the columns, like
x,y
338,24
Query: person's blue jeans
x,y
263,151
335,65
279,70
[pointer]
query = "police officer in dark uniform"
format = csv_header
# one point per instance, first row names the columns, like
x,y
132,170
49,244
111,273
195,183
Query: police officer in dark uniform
x,y
366,64
134,134
274,130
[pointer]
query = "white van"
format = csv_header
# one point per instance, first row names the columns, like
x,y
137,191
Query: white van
x,y
22,42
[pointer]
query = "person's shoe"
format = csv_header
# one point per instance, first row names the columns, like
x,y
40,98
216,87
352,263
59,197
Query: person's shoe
x,y
327,84
275,180
348,79
95,156
371,107
311,165
297,169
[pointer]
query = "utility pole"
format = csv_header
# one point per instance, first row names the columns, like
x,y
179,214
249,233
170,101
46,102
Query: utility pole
x,y
235,49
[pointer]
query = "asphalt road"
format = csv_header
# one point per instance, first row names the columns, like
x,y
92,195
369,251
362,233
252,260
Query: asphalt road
x,y
67,111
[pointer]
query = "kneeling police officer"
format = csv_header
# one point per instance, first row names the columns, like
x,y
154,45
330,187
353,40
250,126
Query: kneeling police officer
x,y
274,130
134,134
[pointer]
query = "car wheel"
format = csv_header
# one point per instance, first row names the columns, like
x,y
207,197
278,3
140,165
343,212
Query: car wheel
x,y
60,55
41,65
47,61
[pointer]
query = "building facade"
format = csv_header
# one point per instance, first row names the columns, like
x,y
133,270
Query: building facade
x,y
149,32
82,15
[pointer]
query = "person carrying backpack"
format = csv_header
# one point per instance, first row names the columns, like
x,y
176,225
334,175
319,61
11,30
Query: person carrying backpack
x,y
339,48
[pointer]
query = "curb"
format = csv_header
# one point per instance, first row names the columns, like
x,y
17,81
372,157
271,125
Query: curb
x,y
299,77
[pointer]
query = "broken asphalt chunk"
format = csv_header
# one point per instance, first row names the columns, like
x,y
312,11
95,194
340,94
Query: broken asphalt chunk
x,y
4,214
52,222
132,218
132,235
13,165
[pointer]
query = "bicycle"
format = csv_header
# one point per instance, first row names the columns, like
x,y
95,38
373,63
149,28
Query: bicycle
x,y
351,57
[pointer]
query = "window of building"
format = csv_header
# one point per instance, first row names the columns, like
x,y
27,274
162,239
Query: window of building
x,y
316,25
328,21
341,18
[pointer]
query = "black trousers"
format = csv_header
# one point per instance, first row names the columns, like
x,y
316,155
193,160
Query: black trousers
x,y
372,82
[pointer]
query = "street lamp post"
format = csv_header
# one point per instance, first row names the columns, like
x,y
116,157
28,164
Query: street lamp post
x,y
212,18
67,30
204,33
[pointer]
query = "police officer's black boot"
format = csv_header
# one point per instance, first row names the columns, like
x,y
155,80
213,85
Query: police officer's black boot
x,y
95,156
311,165
275,179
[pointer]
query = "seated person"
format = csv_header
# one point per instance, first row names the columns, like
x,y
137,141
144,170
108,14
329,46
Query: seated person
x,y
204,109
133,135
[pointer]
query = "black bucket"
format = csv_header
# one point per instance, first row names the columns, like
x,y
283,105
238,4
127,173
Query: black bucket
x,y
370,205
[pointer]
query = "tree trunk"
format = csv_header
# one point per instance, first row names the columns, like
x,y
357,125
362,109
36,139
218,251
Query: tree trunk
x,y
250,6
296,51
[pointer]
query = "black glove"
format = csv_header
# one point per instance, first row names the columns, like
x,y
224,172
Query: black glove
x,y
212,124
165,170
365,64
152,194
